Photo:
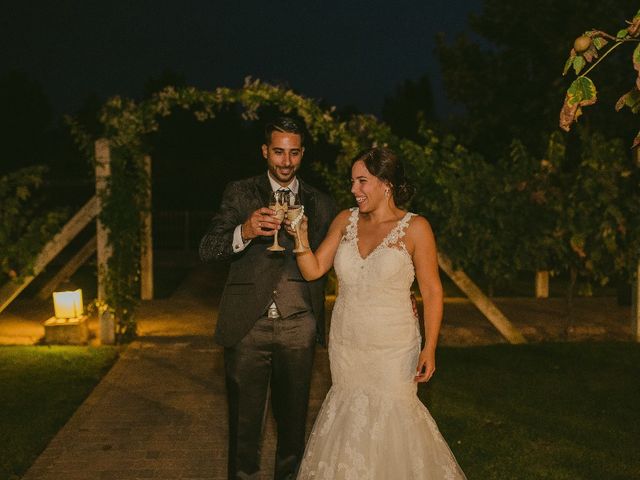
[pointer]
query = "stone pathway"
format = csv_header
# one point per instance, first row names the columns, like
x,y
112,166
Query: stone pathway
x,y
160,412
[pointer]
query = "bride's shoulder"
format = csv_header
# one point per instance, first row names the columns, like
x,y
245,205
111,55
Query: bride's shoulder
x,y
344,217
342,220
418,226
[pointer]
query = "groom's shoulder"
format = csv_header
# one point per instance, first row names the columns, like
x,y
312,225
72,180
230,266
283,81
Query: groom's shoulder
x,y
248,181
243,184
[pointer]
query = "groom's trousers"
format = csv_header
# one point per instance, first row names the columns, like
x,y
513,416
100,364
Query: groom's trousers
x,y
276,354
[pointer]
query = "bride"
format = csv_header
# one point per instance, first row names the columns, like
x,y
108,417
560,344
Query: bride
x,y
372,424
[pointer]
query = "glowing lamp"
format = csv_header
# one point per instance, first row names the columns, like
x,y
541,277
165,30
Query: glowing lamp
x,y
68,304
69,325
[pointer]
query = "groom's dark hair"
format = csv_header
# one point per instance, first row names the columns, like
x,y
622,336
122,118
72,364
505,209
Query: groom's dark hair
x,y
284,125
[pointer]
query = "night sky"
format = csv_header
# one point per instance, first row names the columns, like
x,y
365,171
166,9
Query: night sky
x,y
347,52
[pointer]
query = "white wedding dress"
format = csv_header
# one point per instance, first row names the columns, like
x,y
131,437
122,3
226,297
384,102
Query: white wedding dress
x,y
372,424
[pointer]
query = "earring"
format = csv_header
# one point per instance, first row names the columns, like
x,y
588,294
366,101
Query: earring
x,y
386,192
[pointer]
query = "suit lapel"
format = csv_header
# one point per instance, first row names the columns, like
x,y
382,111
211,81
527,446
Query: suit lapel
x,y
263,188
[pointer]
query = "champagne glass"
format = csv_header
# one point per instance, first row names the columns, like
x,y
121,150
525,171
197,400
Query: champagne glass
x,y
277,203
295,211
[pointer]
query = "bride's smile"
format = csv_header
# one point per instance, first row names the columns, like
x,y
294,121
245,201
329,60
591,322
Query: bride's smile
x,y
368,190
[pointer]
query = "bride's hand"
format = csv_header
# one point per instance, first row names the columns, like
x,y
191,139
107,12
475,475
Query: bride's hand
x,y
426,366
302,227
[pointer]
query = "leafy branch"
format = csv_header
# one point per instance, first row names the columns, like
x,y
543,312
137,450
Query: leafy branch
x,y
23,229
582,92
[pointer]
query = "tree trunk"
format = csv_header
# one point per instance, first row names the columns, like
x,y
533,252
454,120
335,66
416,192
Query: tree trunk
x,y
570,317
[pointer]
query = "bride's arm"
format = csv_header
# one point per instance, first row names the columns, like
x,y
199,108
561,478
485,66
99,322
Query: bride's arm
x,y
425,261
313,265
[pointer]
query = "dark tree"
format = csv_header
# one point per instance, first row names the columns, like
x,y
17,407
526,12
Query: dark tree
x,y
25,122
508,77
411,104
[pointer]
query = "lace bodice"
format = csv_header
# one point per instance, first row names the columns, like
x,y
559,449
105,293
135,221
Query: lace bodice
x,y
380,282
387,266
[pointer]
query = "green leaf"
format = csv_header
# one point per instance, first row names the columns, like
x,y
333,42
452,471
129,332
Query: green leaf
x,y
581,93
599,42
636,64
22,192
582,89
622,33
630,99
567,65
578,64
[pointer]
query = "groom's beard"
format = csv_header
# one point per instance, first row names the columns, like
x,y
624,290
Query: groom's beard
x,y
283,175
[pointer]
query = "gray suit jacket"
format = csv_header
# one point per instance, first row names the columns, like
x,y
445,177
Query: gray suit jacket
x,y
255,272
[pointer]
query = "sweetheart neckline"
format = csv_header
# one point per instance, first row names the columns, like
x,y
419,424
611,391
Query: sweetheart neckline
x,y
399,224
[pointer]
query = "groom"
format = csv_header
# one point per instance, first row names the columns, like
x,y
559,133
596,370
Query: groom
x,y
269,316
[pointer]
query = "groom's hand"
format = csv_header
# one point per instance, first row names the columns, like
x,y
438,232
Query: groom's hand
x,y
261,222
414,306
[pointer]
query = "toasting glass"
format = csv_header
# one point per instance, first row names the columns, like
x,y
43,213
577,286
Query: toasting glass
x,y
278,203
295,212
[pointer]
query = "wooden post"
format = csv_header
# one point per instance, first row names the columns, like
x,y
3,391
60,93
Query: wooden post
x,y
481,301
635,306
103,170
542,284
107,328
146,255
186,230
103,249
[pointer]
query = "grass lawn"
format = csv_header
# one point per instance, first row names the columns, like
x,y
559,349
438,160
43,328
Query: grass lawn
x,y
40,388
545,411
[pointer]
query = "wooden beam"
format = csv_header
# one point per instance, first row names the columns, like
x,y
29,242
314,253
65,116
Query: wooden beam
x,y
635,306
481,301
74,226
11,290
635,294
69,269
103,171
146,254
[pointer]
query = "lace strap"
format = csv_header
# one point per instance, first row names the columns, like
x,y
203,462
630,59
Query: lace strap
x,y
400,230
352,226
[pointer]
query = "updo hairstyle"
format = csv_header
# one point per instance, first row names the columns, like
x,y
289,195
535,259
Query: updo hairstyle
x,y
384,164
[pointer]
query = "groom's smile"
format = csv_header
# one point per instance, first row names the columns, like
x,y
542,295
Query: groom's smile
x,y
283,154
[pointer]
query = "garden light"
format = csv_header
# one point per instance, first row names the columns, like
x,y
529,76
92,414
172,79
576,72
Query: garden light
x,y
68,304
68,326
